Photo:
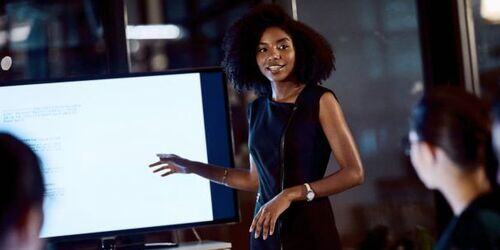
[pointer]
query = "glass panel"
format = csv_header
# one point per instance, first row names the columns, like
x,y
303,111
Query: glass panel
x,y
486,18
51,39
378,79
201,26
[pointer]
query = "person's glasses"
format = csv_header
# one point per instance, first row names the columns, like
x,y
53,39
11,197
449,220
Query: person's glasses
x,y
406,145
407,141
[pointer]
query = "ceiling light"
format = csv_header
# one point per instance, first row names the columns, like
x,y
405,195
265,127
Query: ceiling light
x,y
143,32
490,10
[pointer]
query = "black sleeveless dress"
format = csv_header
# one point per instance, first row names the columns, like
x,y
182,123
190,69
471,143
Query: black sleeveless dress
x,y
289,148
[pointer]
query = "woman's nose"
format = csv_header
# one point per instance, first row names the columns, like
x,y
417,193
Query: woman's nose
x,y
274,54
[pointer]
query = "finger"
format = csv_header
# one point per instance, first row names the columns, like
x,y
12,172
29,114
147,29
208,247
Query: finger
x,y
166,160
167,156
258,227
161,156
169,173
254,222
273,225
265,227
161,169
156,163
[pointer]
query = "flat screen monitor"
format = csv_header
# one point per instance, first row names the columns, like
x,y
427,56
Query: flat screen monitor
x,y
96,138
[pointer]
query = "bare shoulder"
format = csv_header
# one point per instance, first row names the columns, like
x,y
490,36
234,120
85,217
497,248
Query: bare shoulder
x,y
328,97
328,104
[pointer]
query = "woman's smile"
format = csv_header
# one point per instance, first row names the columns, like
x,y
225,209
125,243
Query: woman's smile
x,y
275,68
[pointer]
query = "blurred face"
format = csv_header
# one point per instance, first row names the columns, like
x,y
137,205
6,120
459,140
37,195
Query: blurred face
x,y
24,234
33,229
422,160
496,142
276,55
496,137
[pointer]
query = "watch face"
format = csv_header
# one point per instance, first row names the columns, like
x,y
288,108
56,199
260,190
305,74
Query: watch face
x,y
310,196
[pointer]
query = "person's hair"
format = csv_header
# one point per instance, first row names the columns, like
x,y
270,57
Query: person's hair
x,y
22,182
314,57
459,123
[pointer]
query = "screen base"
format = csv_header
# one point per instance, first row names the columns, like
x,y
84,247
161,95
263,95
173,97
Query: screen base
x,y
200,245
161,245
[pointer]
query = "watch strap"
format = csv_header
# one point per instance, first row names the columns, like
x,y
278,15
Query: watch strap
x,y
308,187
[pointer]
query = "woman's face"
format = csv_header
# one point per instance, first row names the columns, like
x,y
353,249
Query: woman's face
x,y
276,55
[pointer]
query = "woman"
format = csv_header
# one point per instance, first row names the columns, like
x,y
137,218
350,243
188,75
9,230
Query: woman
x,y
294,126
451,151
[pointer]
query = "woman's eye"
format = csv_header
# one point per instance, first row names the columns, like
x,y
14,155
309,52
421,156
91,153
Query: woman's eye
x,y
283,46
261,50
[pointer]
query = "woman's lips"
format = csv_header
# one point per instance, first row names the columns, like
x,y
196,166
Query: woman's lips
x,y
275,68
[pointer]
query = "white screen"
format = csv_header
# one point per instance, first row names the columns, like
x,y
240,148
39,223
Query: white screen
x,y
96,139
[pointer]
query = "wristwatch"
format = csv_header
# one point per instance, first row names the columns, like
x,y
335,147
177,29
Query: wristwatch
x,y
310,193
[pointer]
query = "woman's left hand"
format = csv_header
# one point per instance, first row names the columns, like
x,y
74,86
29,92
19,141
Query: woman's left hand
x,y
265,220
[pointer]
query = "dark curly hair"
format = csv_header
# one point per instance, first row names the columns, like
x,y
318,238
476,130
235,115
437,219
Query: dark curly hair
x,y
314,57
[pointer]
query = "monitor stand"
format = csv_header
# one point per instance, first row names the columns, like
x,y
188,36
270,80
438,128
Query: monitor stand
x,y
108,243
195,245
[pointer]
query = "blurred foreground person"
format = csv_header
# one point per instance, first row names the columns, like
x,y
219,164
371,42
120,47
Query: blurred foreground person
x,y
21,198
495,114
451,151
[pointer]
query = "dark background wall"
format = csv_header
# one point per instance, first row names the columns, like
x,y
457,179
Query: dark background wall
x,y
388,52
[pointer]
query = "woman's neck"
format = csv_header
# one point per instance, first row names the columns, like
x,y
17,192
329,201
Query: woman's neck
x,y
286,91
465,188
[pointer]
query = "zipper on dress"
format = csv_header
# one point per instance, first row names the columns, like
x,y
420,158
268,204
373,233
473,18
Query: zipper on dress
x,y
282,156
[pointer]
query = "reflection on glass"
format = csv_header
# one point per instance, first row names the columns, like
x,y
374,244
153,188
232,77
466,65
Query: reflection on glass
x,y
486,19
178,34
146,32
51,39
378,79
490,10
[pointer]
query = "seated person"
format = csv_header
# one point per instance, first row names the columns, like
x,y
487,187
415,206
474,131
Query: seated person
x,y
451,151
495,114
21,198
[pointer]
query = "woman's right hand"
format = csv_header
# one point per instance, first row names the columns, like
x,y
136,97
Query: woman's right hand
x,y
172,164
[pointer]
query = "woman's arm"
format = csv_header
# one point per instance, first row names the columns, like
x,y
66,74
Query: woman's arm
x,y
244,179
344,150
241,179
